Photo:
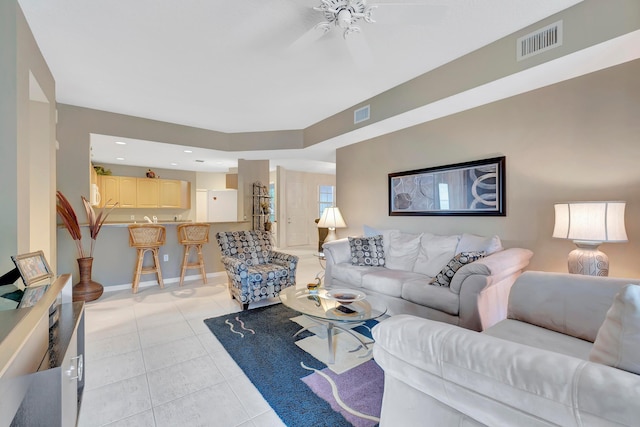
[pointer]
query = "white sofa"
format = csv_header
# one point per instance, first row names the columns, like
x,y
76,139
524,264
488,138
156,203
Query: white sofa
x,y
476,297
531,369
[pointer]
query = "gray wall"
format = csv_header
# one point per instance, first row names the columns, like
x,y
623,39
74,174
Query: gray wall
x,y
576,140
27,220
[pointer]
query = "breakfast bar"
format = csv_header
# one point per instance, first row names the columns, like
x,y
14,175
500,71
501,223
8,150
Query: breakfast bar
x,y
114,261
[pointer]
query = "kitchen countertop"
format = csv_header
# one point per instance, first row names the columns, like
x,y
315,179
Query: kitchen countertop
x,y
126,223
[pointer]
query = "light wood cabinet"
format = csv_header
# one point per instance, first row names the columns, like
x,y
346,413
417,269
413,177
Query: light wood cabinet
x,y
109,190
148,193
132,192
174,194
128,192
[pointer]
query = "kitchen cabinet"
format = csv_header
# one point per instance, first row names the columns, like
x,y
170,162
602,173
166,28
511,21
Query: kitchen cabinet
x,y
148,192
128,192
174,194
109,187
132,192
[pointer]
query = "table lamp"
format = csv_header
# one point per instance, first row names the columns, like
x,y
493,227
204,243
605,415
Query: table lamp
x,y
331,218
589,224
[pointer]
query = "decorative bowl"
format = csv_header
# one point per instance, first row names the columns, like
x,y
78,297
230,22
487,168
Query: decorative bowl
x,y
345,296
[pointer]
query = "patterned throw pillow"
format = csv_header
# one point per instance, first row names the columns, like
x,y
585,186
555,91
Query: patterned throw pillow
x,y
444,277
367,251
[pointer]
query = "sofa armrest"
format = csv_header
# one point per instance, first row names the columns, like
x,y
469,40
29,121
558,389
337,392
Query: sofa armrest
x,y
286,260
337,251
498,382
499,265
484,285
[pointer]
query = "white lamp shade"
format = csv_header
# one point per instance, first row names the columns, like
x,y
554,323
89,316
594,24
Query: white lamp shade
x,y
331,218
590,221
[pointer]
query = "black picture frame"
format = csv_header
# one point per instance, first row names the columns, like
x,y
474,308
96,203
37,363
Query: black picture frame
x,y
475,188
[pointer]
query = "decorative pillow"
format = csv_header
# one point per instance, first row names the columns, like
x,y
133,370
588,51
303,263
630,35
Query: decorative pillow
x,y
473,243
618,341
435,252
385,233
367,251
444,277
403,250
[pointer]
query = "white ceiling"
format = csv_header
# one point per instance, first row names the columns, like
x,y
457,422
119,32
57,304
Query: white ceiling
x,y
250,65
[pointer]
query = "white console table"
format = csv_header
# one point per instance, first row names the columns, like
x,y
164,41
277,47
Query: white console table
x,y
41,368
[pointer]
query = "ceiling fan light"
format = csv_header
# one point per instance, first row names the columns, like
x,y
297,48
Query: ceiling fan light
x,y
344,19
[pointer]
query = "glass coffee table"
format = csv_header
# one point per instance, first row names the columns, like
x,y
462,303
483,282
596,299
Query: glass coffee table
x,y
340,309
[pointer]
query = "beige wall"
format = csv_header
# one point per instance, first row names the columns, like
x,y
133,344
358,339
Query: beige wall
x,y
576,140
27,133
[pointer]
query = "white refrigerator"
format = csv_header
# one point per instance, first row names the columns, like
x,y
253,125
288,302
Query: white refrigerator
x,y
217,205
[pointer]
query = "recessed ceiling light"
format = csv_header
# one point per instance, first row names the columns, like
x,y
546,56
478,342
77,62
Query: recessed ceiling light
x,y
121,143
188,151
174,164
119,158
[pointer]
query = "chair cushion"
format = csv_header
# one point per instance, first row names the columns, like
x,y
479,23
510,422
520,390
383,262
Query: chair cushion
x,y
618,341
267,273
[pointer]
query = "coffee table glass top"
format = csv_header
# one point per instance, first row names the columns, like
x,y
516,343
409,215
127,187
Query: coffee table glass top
x,y
324,304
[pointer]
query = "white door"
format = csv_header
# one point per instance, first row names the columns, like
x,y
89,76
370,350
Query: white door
x,y
297,216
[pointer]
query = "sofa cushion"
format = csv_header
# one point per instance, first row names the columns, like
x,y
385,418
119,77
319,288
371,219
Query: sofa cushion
x,y
535,336
388,282
419,291
472,243
367,251
403,250
444,277
618,341
385,233
352,274
435,252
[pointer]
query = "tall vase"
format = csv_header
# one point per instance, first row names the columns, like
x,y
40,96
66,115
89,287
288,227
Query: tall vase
x,y
86,289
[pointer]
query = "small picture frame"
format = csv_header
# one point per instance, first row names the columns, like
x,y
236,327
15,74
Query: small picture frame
x,y
33,267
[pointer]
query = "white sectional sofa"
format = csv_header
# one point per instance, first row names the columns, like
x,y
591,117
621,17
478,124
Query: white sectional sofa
x,y
539,367
475,298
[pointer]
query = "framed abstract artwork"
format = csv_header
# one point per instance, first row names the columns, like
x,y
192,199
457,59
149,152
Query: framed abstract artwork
x,y
465,189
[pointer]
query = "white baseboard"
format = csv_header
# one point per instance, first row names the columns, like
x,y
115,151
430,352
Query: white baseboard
x,y
170,280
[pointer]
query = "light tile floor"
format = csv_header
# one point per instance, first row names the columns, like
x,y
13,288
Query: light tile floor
x,y
151,361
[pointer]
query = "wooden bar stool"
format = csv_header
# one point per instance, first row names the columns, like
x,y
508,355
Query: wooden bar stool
x,y
146,237
193,236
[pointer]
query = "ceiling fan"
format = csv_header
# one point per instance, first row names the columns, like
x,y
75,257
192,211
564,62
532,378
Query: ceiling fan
x,y
344,14
348,15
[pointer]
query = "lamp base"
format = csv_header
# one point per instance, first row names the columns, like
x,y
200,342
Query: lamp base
x,y
588,260
331,235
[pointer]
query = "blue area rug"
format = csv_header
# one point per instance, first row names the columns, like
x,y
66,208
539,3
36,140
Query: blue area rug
x,y
261,342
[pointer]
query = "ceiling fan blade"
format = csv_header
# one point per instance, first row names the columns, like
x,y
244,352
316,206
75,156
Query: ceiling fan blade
x,y
409,13
307,39
359,50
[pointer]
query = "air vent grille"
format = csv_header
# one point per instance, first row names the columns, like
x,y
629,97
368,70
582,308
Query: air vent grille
x,y
362,114
539,41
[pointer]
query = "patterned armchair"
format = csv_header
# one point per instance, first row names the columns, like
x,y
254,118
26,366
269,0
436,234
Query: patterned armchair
x,y
255,270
